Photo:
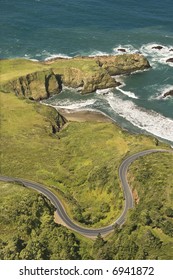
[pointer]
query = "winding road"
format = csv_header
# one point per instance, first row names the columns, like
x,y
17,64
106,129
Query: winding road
x,y
128,197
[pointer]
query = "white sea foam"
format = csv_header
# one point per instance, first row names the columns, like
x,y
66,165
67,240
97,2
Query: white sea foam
x,y
148,50
54,56
126,48
48,56
149,121
128,93
103,91
74,105
160,92
98,53
157,55
125,92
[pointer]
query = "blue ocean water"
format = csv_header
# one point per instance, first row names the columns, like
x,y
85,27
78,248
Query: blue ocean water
x,y
40,29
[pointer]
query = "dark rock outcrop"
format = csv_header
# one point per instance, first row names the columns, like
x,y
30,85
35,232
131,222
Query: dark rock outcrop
x,y
169,59
157,47
168,93
121,50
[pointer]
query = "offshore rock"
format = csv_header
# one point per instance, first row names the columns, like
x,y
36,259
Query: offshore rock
x,y
121,50
157,47
169,59
168,93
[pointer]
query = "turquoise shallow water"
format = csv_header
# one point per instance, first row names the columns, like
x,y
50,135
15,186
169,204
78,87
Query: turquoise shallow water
x,y
40,29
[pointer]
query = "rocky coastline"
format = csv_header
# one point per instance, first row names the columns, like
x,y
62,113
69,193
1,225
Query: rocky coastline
x,y
86,74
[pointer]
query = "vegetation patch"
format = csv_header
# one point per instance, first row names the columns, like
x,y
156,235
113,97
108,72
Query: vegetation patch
x,y
28,230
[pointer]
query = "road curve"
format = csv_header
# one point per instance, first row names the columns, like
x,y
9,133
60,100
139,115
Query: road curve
x,y
128,197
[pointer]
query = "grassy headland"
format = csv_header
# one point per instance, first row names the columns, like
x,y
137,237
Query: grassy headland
x,y
39,80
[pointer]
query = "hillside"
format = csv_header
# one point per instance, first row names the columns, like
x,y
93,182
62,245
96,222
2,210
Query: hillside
x,y
79,162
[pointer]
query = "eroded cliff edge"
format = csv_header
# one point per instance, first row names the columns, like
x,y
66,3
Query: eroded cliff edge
x,y
41,80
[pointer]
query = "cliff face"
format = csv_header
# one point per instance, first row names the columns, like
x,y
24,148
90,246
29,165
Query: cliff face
x,y
36,86
85,73
98,80
87,81
91,73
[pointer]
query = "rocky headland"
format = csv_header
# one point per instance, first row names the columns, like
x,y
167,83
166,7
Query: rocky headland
x,y
86,74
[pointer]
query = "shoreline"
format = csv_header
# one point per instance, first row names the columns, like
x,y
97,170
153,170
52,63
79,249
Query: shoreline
x,y
84,116
99,117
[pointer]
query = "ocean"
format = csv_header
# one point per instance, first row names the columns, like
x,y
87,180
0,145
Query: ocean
x,y
43,29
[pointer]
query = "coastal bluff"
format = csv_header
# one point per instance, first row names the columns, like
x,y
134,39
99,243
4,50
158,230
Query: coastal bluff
x,y
40,80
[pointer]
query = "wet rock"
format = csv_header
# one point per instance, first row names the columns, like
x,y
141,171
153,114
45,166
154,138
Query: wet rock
x,y
169,59
121,50
158,47
168,93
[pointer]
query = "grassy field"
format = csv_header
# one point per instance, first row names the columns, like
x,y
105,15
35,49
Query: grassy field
x,y
11,69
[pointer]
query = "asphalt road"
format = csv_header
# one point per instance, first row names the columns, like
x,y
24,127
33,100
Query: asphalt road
x,y
128,197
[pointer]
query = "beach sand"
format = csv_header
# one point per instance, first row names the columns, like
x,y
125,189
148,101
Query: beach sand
x,y
84,116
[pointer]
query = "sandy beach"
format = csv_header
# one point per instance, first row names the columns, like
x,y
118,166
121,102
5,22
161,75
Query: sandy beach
x,y
84,116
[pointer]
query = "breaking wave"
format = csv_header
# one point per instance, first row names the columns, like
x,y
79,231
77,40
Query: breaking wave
x,y
157,55
74,105
149,50
98,53
149,121
159,95
125,49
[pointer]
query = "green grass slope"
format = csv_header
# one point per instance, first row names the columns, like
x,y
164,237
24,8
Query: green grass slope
x,y
80,164
11,69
